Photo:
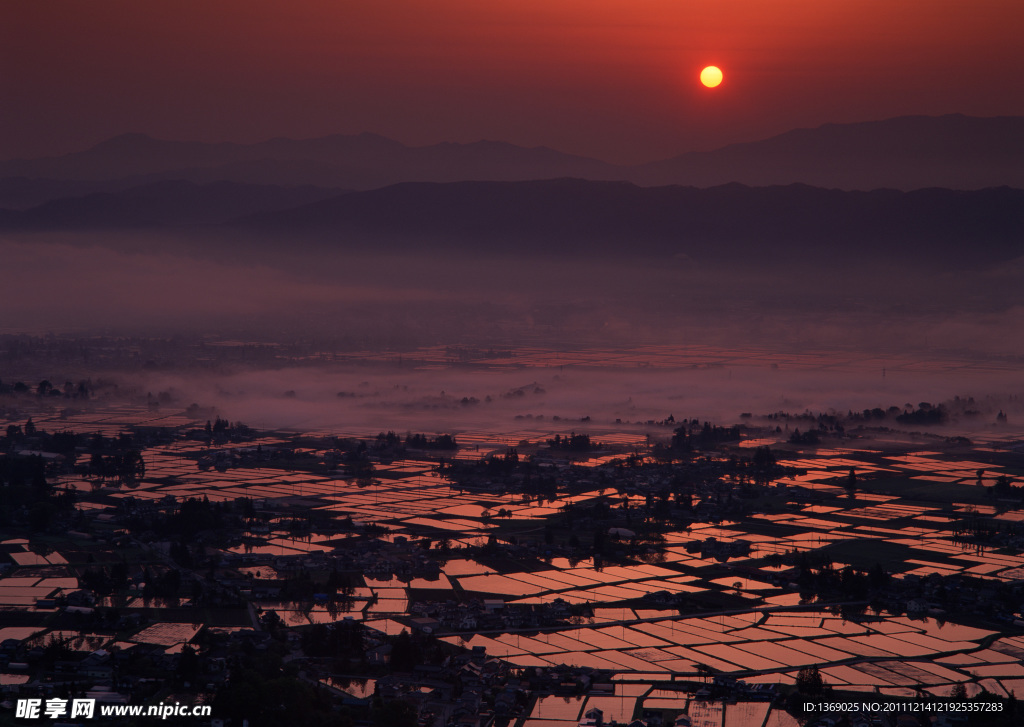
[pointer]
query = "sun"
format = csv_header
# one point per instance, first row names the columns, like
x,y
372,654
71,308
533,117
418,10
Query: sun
x,y
711,76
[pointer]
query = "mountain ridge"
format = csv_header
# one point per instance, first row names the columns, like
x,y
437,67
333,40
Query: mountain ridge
x,y
906,152
573,217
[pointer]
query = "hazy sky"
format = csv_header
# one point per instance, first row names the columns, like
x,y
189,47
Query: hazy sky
x,y
615,79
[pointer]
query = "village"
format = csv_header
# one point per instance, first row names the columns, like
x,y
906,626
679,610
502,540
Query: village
x,y
710,576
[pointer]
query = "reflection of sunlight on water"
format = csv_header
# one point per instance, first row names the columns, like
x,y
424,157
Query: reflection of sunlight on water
x,y
359,688
465,568
762,442
558,708
408,498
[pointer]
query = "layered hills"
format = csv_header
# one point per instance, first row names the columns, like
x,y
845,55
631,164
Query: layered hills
x,y
943,189
912,152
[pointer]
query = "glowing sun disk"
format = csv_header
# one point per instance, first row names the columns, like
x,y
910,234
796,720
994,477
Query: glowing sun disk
x,y
711,76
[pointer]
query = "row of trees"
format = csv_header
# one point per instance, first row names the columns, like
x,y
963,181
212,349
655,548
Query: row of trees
x,y
44,388
573,443
109,457
693,435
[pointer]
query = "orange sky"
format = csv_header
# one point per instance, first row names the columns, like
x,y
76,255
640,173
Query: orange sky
x,y
615,79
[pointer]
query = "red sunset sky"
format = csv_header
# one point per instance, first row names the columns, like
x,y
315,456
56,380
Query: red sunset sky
x,y
616,79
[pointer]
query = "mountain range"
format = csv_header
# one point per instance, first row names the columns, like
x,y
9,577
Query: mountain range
x,y
582,217
948,189
573,217
171,203
912,152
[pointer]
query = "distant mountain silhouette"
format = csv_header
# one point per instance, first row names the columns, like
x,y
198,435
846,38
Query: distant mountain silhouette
x,y
911,152
575,217
161,204
583,217
21,193
364,161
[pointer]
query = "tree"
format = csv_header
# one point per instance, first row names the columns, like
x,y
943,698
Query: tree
x,y
764,463
133,468
188,664
878,577
405,654
809,681
705,672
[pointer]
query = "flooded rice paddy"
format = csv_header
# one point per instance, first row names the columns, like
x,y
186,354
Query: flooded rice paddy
x,y
763,630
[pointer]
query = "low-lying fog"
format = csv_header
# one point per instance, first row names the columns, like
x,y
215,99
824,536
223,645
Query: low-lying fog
x,y
851,322
154,286
452,400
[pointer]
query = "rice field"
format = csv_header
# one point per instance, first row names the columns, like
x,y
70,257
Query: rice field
x,y
759,630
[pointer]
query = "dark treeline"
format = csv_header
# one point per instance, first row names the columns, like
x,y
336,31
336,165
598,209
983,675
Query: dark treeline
x,y
26,495
922,414
109,458
45,389
390,440
693,435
